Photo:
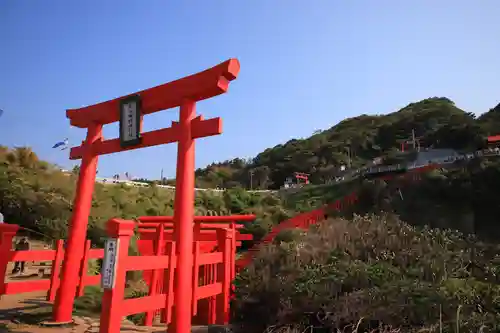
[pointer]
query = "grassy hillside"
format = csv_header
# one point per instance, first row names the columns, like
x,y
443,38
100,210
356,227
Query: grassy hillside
x,y
38,196
311,197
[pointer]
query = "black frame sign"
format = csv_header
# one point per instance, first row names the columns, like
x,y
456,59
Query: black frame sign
x,y
130,121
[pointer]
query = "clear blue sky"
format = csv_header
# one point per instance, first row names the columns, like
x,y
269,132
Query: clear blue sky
x,y
305,65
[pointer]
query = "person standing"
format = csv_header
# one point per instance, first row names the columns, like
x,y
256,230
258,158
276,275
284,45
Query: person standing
x,y
1,217
22,245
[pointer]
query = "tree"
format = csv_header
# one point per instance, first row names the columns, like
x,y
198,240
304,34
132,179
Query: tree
x,y
76,170
262,176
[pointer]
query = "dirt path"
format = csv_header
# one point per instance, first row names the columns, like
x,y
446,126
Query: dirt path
x,y
11,306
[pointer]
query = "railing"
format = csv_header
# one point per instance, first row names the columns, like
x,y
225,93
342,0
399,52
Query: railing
x,y
148,229
163,262
55,256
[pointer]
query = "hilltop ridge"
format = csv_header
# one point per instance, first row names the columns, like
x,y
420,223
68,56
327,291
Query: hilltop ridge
x,y
437,123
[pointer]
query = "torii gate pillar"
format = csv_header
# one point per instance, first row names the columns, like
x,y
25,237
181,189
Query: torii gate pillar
x,y
184,218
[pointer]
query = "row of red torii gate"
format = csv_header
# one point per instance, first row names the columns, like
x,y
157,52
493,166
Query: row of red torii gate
x,y
189,261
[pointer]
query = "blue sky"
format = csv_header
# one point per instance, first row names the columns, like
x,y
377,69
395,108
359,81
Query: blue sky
x,y
305,65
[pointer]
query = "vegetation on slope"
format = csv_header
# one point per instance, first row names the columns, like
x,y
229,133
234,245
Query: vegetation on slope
x,y
36,195
373,272
437,122
464,199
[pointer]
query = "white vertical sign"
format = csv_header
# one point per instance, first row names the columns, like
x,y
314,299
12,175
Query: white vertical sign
x,y
108,272
130,115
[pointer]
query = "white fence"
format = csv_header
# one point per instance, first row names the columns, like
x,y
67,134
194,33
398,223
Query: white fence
x,y
170,187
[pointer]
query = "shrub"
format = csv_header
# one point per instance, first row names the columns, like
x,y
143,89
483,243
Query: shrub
x,y
91,301
371,272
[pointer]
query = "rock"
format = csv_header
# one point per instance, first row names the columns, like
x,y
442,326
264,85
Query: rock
x,y
135,328
92,330
79,321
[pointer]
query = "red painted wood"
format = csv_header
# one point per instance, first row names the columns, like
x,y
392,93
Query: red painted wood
x,y
196,87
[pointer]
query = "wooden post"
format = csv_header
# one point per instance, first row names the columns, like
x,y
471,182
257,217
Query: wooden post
x,y
83,269
7,233
153,286
56,270
63,308
183,219
112,299
222,300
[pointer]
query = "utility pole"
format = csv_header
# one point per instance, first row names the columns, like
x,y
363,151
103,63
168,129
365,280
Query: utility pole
x,y
251,179
348,148
413,137
161,177
416,141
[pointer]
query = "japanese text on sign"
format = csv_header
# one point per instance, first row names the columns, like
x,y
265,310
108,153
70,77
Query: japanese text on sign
x,y
130,109
129,113
108,273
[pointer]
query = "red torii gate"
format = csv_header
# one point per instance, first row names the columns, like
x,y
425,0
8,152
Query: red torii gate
x,y
303,176
147,230
129,110
156,235
493,139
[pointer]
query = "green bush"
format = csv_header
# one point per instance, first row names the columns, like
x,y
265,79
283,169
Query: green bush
x,y
91,301
288,235
371,272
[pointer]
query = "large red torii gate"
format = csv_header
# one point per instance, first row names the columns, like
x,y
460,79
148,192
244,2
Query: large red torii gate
x,y
129,110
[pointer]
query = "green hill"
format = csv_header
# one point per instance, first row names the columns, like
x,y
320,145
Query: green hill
x,y
37,195
377,271
437,122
